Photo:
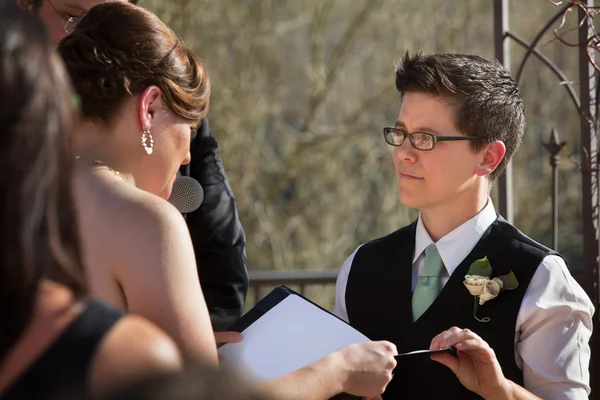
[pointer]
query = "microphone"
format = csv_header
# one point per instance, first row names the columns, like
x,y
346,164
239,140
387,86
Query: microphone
x,y
187,194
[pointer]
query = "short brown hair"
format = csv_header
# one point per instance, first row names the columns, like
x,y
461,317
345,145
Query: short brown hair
x,y
119,49
487,99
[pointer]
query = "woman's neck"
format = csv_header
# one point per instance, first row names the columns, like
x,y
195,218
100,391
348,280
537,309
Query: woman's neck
x,y
94,148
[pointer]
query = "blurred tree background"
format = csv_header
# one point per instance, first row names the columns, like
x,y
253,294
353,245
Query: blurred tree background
x,y
302,88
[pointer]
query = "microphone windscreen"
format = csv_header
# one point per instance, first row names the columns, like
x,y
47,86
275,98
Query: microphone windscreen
x,y
187,194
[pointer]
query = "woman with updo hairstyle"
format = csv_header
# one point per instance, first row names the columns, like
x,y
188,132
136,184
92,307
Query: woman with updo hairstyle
x,y
141,94
53,338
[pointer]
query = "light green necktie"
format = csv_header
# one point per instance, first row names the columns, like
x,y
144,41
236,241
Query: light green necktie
x,y
429,285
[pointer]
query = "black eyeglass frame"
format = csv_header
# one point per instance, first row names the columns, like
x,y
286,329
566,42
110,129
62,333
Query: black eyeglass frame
x,y
435,138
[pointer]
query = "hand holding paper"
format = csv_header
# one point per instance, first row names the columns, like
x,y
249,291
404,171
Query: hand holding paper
x,y
299,347
365,362
476,366
227,337
291,335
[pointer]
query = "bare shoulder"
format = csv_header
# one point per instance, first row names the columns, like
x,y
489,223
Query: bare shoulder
x,y
119,215
133,349
136,223
145,211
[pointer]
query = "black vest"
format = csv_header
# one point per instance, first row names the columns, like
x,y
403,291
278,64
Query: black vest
x,y
378,299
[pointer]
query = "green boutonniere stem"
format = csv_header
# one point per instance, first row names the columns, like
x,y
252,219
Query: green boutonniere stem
x,y
475,308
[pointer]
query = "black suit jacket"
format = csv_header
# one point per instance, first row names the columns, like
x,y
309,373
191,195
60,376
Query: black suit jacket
x,y
217,234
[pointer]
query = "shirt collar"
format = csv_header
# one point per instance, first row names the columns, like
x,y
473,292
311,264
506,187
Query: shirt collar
x,y
456,245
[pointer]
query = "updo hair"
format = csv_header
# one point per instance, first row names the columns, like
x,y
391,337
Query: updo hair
x,y
118,50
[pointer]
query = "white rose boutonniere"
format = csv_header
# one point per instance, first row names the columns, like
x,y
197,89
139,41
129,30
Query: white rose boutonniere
x,y
485,288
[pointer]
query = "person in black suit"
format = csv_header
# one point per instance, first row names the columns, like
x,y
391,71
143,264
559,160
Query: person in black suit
x,y
217,234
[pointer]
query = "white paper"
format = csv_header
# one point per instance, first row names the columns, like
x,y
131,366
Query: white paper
x,y
291,335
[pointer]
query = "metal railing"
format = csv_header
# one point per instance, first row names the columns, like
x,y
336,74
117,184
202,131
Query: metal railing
x,y
296,278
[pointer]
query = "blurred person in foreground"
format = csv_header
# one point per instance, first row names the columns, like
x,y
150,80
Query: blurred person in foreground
x,y
217,234
142,94
197,383
52,337
460,264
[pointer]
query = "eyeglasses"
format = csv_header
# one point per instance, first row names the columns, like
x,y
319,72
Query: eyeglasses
x,y
70,22
419,140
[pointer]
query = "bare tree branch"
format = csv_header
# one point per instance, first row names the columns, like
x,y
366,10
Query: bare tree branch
x,y
339,53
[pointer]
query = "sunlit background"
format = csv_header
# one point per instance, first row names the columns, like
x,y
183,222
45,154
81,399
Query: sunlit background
x,y
301,90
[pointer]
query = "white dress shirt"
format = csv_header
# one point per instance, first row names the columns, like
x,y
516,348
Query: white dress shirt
x,y
554,324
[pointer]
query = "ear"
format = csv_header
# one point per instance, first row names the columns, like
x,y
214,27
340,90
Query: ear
x,y
149,105
492,155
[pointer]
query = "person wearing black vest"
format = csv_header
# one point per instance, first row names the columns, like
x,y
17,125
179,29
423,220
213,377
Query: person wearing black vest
x,y
460,121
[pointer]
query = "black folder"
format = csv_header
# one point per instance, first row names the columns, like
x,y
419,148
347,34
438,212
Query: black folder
x,y
268,302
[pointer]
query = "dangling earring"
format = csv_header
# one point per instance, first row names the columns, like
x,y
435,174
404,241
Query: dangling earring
x,y
147,141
